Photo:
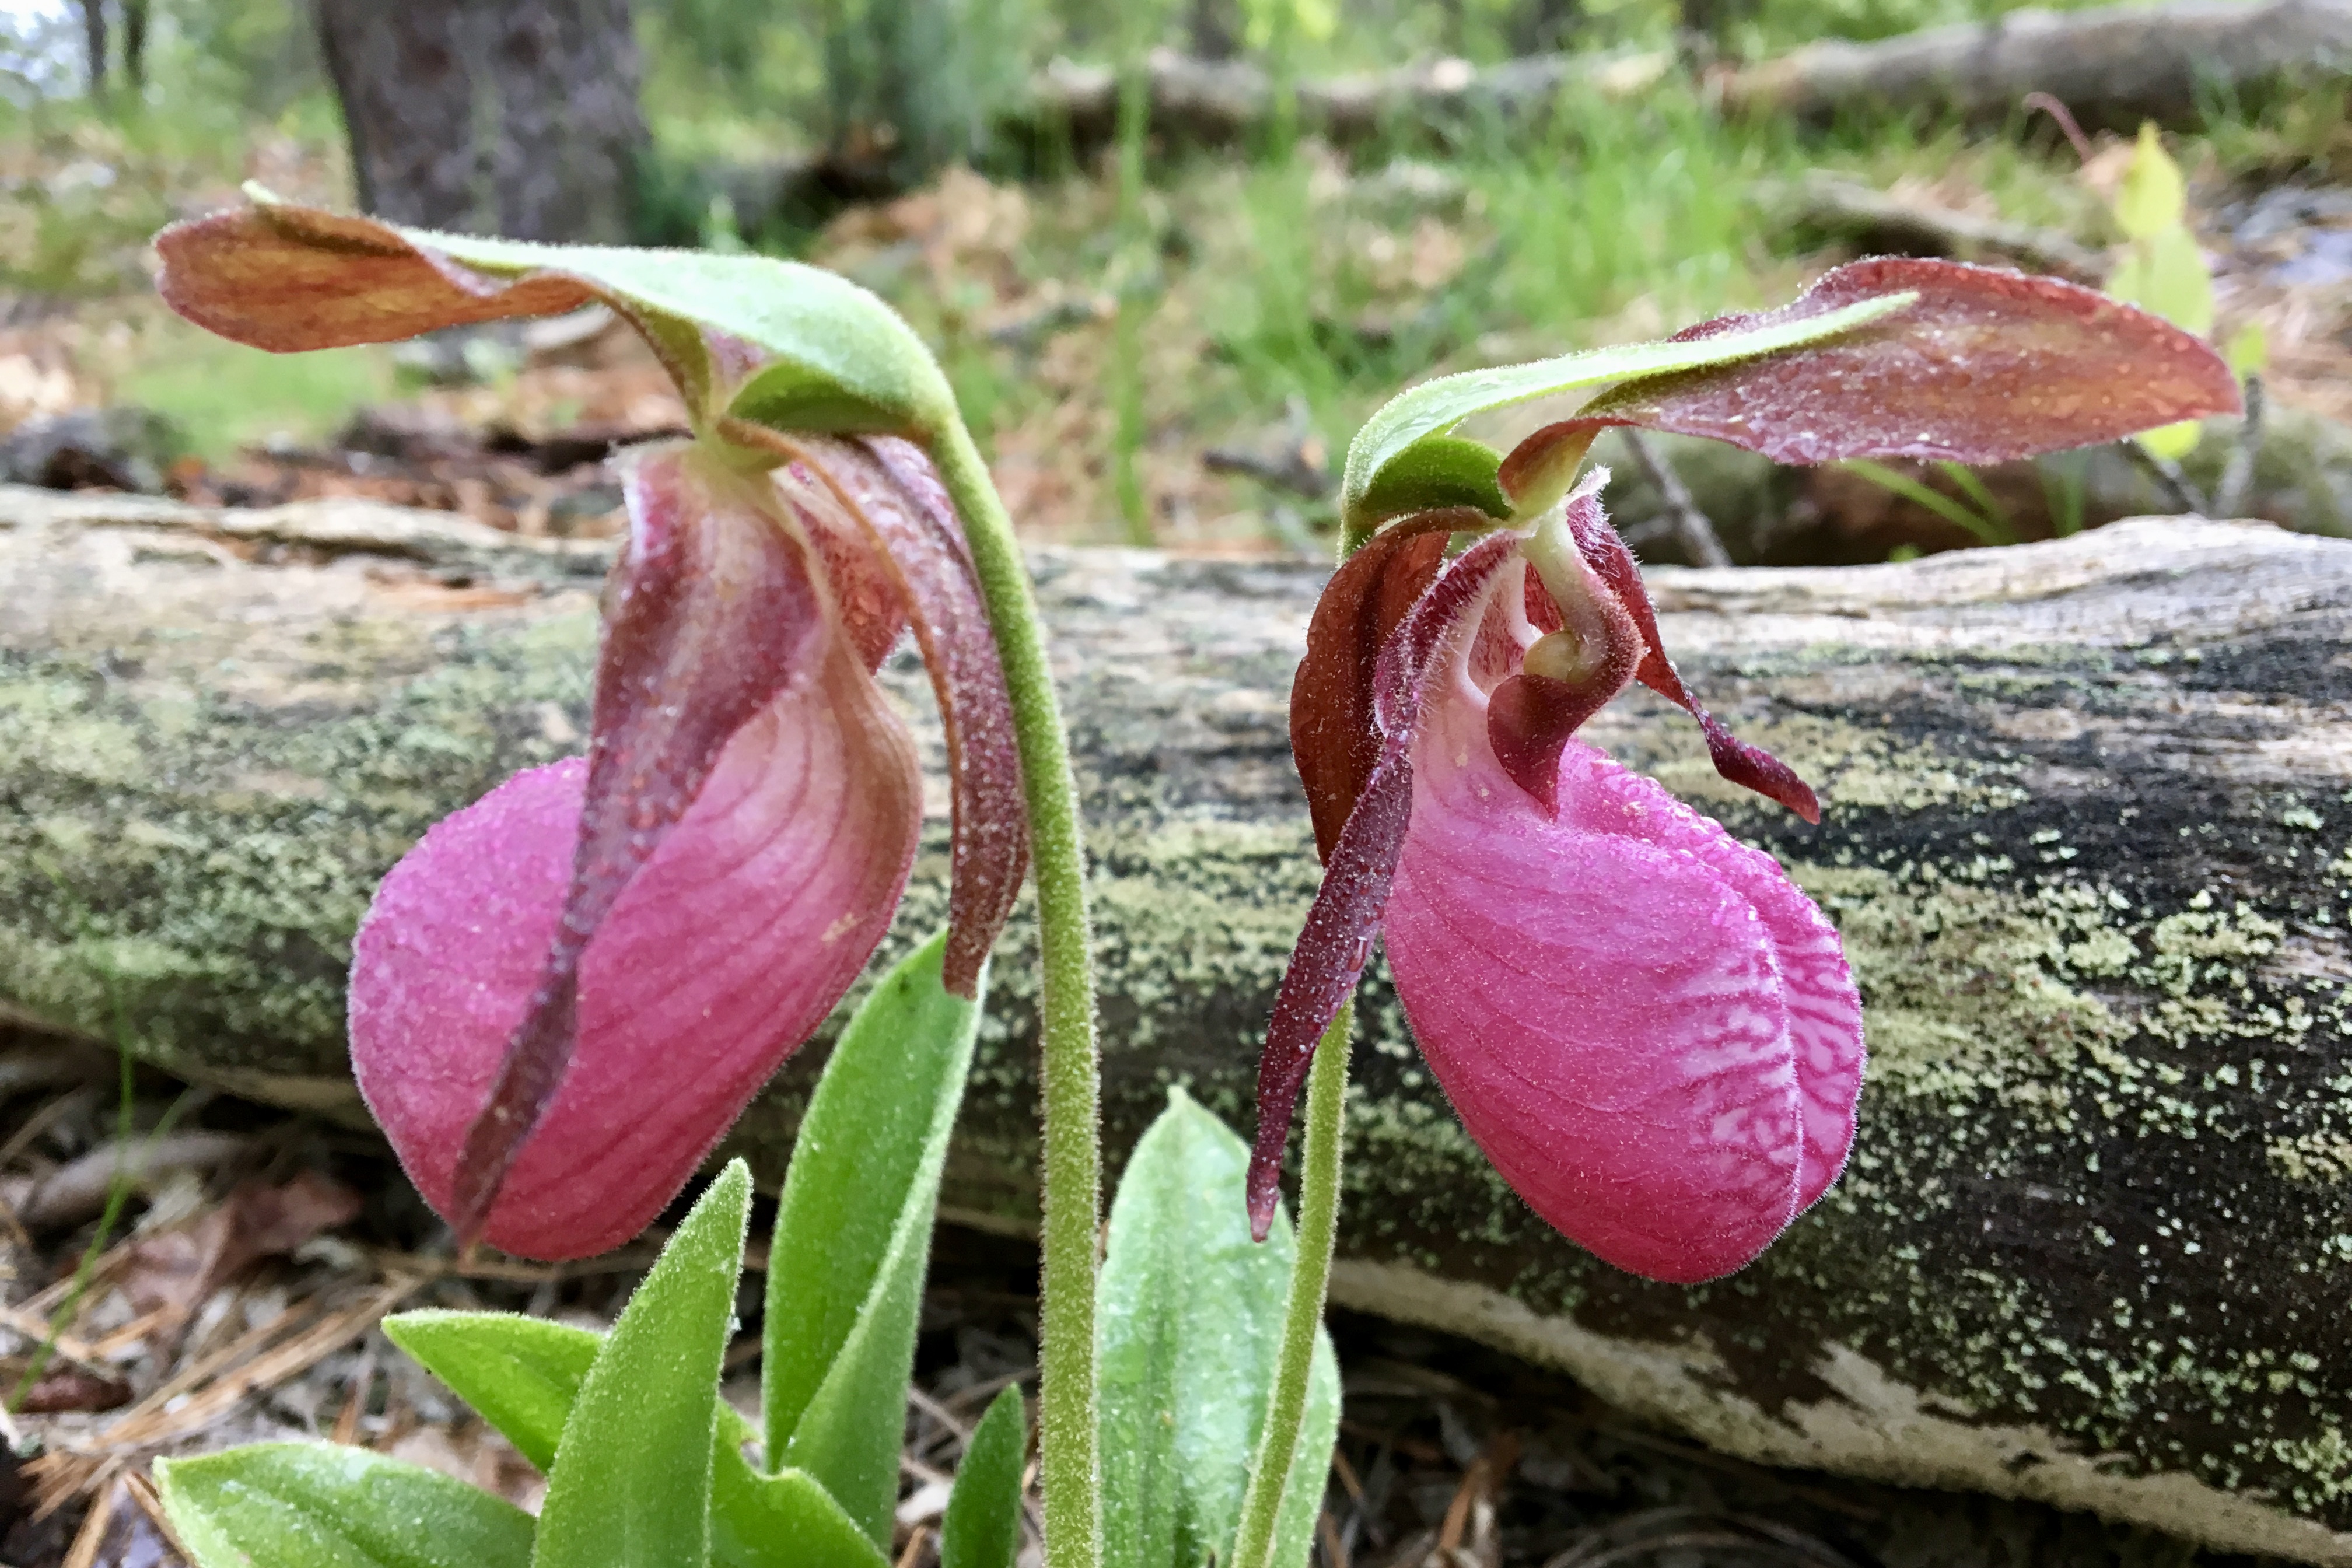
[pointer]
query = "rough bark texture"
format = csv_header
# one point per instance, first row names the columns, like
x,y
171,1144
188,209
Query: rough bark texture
x,y
2113,66
486,117
2089,840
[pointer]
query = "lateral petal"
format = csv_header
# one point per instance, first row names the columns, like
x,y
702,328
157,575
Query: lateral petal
x,y
1334,739
886,488
1337,940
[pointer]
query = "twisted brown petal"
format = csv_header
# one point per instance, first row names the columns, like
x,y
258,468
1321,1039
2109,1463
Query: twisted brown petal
x,y
713,614
888,486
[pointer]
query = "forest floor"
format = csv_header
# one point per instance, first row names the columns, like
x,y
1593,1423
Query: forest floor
x,y
1216,338
235,1297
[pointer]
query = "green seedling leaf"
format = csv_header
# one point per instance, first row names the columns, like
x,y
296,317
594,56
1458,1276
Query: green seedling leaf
x,y
772,341
783,1520
1434,473
631,1486
1191,1314
1435,407
854,1233
324,1505
523,1373
2154,198
982,1527
1987,529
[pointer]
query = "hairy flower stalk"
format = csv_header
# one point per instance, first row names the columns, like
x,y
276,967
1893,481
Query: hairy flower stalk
x,y
1649,1030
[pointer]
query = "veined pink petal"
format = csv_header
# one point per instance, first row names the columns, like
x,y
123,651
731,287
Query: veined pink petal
x,y
712,613
1605,998
746,926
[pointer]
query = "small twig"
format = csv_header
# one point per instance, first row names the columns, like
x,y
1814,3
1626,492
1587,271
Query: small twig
x,y
2170,482
1291,471
1691,525
92,1534
2064,116
2238,474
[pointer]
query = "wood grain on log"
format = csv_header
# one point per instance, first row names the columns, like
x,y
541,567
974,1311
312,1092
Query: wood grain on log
x,y
2090,810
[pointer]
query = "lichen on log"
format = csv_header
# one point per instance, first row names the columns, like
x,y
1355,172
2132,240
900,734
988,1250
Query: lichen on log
x,y
2089,839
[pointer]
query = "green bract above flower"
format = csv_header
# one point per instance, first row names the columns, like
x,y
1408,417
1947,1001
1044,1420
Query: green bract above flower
x,y
1885,358
771,343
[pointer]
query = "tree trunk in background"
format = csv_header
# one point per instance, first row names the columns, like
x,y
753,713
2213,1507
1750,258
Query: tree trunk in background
x,y
482,116
1216,28
93,31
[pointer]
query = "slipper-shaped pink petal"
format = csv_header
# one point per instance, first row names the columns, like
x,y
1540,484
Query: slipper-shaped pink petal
x,y
749,922
1645,1028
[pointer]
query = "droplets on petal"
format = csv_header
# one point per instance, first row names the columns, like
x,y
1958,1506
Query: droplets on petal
x,y
1982,367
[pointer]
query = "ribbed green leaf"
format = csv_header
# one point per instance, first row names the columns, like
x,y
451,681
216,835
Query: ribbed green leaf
x,y
520,1373
1191,1314
854,1233
631,1486
324,1505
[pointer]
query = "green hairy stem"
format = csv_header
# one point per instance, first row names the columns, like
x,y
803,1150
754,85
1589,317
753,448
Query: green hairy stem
x,y
1302,1313
1069,1077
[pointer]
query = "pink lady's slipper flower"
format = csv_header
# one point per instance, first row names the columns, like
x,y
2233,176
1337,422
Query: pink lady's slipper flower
x,y
1650,1030
562,996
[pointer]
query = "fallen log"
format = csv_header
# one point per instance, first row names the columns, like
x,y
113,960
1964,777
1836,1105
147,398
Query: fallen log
x,y
2113,68
2088,841
1198,102
1823,202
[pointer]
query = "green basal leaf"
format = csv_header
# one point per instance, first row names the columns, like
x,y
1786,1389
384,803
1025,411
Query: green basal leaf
x,y
1435,407
523,1373
982,1527
1435,471
631,1487
2154,196
783,1520
1191,1314
324,1505
520,1373
854,1233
